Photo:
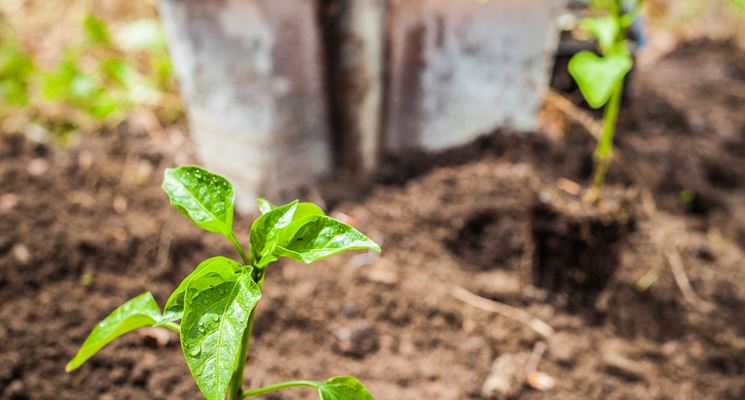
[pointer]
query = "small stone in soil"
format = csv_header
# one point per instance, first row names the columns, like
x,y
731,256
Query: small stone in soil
x,y
541,381
21,254
118,374
506,377
8,202
120,204
563,348
382,271
356,341
37,167
617,363
16,390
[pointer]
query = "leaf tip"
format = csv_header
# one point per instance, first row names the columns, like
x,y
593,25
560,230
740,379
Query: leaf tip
x,y
69,367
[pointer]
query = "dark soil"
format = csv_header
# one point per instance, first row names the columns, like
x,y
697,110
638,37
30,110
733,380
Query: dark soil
x,y
577,245
84,229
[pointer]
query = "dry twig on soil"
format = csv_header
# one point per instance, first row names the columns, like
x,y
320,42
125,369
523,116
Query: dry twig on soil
x,y
513,313
681,279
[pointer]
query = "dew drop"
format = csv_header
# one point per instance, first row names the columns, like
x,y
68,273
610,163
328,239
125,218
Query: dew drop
x,y
195,350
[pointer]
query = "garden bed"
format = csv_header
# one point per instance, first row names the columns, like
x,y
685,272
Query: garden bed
x,y
83,229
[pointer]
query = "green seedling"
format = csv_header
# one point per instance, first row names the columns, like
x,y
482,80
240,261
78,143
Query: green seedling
x,y
16,68
97,78
216,303
740,4
95,83
601,77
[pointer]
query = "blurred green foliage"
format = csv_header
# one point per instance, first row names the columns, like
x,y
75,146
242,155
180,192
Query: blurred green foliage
x,y
98,79
16,68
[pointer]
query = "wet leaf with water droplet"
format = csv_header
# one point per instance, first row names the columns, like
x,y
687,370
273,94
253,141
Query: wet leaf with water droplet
x,y
343,388
218,339
318,237
138,312
264,205
205,198
174,308
272,229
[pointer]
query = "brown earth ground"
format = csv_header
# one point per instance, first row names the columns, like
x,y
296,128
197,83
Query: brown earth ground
x,y
84,229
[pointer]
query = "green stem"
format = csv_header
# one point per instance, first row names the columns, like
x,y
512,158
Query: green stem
x,y
173,326
604,150
236,380
238,247
279,386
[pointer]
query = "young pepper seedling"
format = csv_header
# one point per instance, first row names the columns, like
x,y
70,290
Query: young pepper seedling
x,y
601,77
216,303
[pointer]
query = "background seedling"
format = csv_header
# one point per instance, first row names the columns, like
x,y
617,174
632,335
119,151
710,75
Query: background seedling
x,y
216,303
95,82
600,77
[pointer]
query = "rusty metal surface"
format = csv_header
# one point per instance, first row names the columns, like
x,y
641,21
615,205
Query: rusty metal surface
x,y
251,77
259,78
353,40
459,69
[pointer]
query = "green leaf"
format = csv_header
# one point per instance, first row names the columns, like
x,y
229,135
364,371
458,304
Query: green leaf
x,y
605,29
264,205
15,63
119,70
103,105
206,198
135,313
319,236
216,313
272,229
56,83
16,68
13,93
597,76
174,309
96,30
264,232
740,4
343,388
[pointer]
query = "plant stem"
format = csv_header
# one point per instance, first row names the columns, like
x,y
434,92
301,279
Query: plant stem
x,y
238,247
279,386
604,150
173,326
236,381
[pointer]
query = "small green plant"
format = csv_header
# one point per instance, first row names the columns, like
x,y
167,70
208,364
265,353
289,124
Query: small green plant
x,y
600,77
96,82
96,78
216,303
740,4
16,68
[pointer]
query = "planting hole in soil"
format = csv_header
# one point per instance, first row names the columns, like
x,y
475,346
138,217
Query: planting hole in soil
x,y
577,245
